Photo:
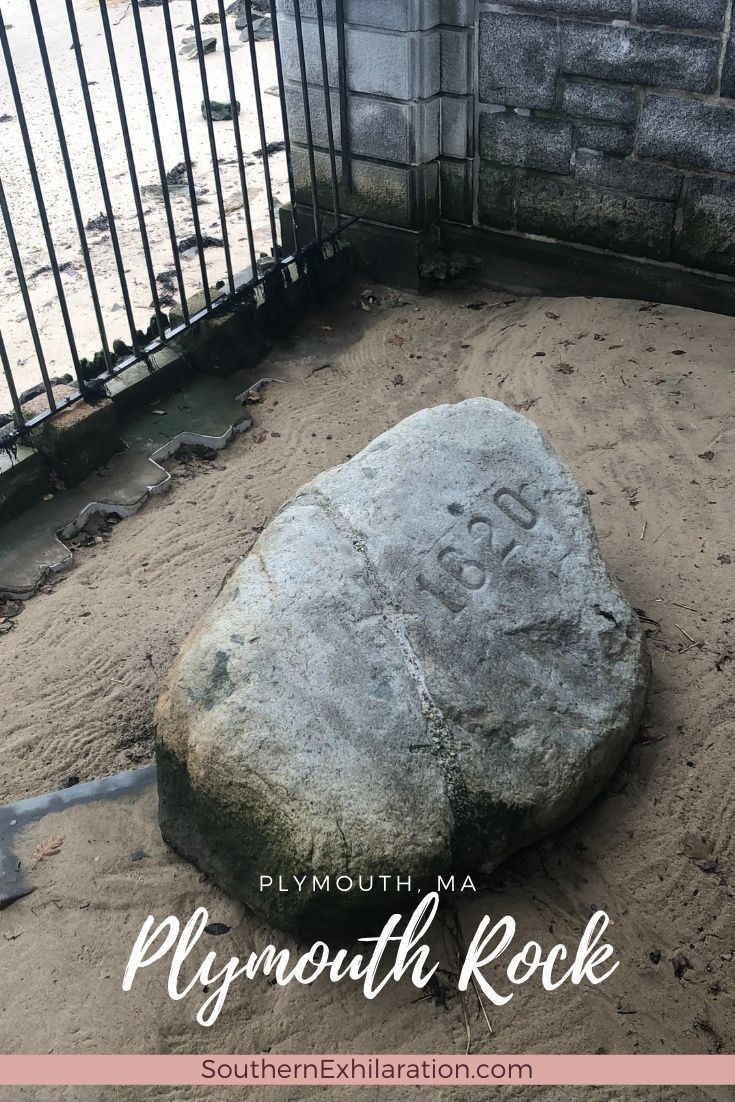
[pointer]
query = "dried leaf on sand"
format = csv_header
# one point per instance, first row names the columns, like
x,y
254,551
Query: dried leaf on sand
x,y
700,851
47,849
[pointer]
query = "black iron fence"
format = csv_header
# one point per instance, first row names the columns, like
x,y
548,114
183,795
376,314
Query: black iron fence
x,y
134,201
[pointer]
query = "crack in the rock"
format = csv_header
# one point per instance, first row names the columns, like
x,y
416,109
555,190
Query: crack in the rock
x,y
442,743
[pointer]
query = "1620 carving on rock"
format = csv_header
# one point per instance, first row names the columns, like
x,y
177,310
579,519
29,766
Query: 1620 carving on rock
x,y
422,665
472,573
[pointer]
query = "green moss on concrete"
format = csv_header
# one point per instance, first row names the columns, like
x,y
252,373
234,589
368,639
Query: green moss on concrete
x,y
708,234
79,439
495,196
593,216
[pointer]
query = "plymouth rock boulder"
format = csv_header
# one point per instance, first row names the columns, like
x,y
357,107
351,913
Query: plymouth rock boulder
x,y
422,665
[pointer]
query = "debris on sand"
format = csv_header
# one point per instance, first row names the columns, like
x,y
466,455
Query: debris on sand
x,y
220,110
98,224
207,242
44,850
177,175
67,267
270,149
262,29
190,47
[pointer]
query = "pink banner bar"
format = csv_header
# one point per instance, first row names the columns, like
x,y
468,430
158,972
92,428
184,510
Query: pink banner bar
x,y
372,1070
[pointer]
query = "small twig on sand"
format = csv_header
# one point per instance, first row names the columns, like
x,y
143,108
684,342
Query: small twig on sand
x,y
693,642
482,1008
658,537
118,21
687,607
643,533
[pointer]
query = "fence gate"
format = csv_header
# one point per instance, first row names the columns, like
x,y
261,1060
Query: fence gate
x,y
144,154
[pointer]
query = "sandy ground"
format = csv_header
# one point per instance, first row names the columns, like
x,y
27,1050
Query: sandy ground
x,y
17,182
638,399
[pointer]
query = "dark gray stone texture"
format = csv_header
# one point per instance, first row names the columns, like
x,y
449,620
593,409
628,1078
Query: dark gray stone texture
x,y
457,62
632,177
708,234
456,185
688,133
637,56
599,102
728,72
695,14
519,57
495,197
594,216
526,142
602,9
610,139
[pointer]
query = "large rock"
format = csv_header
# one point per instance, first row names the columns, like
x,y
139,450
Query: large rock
x,y
421,665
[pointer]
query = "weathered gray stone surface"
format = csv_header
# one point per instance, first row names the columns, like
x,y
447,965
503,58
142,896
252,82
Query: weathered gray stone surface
x,y
595,216
519,56
610,139
600,102
708,233
495,196
699,14
633,177
399,15
457,62
602,9
421,665
526,141
659,58
457,179
728,71
687,132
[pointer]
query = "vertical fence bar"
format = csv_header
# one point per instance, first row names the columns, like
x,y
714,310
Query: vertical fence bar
x,y
212,142
131,166
84,84
328,112
186,151
17,411
284,122
50,247
344,122
159,156
70,181
307,118
261,126
26,297
238,137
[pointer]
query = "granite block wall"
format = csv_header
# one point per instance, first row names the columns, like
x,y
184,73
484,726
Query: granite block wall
x,y
609,123
410,106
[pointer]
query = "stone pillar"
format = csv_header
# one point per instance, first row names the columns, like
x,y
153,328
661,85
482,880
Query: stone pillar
x,y
394,104
457,139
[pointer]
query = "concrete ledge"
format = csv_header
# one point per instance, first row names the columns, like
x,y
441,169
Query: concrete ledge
x,y
388,253
23,480
524,265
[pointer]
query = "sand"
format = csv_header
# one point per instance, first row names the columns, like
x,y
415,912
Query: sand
x,y
18,188
638,399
